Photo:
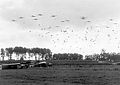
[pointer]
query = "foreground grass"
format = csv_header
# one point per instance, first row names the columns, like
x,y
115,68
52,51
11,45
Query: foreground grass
x,y
63,75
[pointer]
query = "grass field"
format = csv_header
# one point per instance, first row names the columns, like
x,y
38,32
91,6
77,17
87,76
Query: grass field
x,y
63,75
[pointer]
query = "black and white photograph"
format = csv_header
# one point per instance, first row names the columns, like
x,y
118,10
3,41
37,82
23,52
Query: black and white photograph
x,y
59,42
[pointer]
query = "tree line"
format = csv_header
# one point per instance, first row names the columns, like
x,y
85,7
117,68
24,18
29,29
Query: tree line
x,y
104,56
67,56
37,53
20,52
46,54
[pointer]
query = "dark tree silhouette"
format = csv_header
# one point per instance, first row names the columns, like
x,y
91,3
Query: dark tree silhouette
x,y
35,51
67,56
20,50
2,53
9,52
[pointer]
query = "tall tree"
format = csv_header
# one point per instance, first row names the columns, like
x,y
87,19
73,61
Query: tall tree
x,y
35,51
23,52
2,53
9,52
18,51
28,50
48,55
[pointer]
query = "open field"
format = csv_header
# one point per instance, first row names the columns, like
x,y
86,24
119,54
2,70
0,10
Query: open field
x,y
63,75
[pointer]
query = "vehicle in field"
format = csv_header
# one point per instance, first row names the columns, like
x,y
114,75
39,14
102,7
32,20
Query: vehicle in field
x,y
14,64
116,63
42,64
104,63
24,64
10,66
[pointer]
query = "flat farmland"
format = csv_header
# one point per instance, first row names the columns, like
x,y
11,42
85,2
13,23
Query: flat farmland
x,y
63,75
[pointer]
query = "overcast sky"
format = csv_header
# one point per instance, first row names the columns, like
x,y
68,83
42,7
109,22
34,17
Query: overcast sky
x,y
77,26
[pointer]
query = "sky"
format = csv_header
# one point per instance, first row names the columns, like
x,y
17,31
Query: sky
x,y
64,26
